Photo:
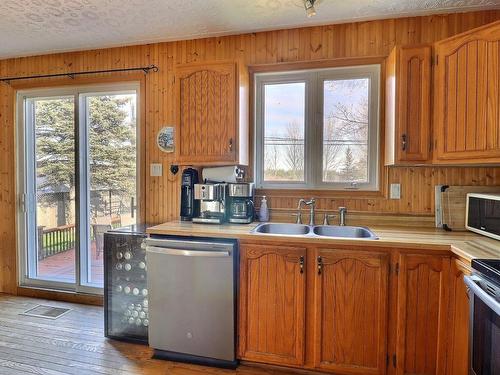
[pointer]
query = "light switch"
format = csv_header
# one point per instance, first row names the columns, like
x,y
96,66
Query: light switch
x,y
395,191
156,170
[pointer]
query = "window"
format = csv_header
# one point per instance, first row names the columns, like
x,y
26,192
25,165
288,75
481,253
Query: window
x,y
318,128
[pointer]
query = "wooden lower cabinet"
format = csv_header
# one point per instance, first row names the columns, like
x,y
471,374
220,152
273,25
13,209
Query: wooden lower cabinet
x,y
351,305
353,310
422,314
272,304
458,330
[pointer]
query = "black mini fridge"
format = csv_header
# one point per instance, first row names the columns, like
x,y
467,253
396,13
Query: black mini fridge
x,y
126,310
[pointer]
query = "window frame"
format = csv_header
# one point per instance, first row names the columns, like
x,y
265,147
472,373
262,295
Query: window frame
x,y
313,118
25,167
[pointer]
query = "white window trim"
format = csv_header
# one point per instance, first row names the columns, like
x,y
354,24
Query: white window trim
x,y
24,167
313,79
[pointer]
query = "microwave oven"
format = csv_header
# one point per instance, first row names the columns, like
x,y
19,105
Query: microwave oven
x,y
483,214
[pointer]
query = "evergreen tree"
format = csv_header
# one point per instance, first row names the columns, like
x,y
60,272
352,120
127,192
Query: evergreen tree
x,y
349,165
111,134
55,144
112,147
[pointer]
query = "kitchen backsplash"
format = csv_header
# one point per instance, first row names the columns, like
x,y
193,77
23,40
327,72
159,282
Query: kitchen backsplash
x,y
417,191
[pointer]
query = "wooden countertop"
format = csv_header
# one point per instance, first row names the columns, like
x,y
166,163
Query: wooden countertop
x,y
465,245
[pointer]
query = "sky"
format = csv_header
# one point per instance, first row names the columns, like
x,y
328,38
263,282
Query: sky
x,y
285,104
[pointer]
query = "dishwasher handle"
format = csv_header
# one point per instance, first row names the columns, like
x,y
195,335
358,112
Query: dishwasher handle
x,y
187,253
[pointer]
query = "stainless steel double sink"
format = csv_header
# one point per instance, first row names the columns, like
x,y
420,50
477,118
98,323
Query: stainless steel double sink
x,y
302,230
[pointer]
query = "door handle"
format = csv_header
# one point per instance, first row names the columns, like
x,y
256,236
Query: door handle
x,y
482,295
404,142
22,203
230,144
133,207
187,253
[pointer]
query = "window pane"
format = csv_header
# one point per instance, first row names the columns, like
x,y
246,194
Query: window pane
x,y
345,130
55,190
112,122
284,112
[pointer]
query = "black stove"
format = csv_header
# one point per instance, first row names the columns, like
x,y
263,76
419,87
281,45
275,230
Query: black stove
x,y
484,292
489,268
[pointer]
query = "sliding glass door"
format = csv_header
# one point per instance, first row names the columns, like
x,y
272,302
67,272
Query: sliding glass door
x,y
78,178
51,171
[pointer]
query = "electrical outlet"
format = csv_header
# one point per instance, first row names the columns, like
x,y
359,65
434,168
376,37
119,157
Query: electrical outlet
x,y
395,191
156,170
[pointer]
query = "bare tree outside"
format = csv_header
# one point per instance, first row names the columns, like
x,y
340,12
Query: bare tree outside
x,y
271,159
294,154
345,131
331,149
284,154
284,132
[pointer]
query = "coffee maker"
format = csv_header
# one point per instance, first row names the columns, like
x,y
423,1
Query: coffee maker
x,y
240,206
212,200
189,206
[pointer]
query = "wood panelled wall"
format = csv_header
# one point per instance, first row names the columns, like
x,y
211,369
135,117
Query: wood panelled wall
x,y
362,39
417,191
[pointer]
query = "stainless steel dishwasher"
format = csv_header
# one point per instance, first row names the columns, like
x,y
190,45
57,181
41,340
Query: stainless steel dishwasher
x,y
192,299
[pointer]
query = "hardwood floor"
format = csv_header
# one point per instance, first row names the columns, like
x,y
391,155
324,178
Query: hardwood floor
x,y
75,344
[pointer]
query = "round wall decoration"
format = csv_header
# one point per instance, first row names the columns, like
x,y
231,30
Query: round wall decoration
x,y
165,139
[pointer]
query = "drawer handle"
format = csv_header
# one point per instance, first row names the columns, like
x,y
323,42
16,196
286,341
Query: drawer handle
x,y
320,265
301,264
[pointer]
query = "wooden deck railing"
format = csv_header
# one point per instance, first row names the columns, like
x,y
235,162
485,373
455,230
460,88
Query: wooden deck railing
x,y
53,241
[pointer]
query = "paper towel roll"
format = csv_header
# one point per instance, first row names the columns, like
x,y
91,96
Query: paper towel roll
x,y
221,174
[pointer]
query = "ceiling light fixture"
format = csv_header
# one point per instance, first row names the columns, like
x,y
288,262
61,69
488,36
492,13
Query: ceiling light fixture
x,y
309,6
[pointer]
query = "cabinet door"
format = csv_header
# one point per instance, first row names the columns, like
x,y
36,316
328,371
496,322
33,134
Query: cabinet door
x,y
272,304
351,297
414,101
458,331
206,113
408,98
467,122
423,286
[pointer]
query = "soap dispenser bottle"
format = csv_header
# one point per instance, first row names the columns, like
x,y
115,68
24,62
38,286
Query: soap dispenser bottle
x,y
263,211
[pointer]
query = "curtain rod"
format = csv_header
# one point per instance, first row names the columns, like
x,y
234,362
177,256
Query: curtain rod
x,y
72,75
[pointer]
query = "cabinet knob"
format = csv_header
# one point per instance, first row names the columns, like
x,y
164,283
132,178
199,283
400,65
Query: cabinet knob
x,y
301,264
320,265
403,142
230,144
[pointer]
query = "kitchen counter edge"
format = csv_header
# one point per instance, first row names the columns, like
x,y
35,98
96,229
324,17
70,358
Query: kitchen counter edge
x,y
464,245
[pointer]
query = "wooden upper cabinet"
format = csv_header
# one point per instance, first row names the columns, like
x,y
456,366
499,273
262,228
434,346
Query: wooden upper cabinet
x,y
458,330
408,100
467,100
422,314
272,304
351,304
212,114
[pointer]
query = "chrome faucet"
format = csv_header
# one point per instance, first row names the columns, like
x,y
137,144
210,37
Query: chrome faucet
x,y
326,218
312,204
342,215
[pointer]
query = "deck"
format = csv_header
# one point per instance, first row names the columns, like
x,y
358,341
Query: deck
x,y
61,266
